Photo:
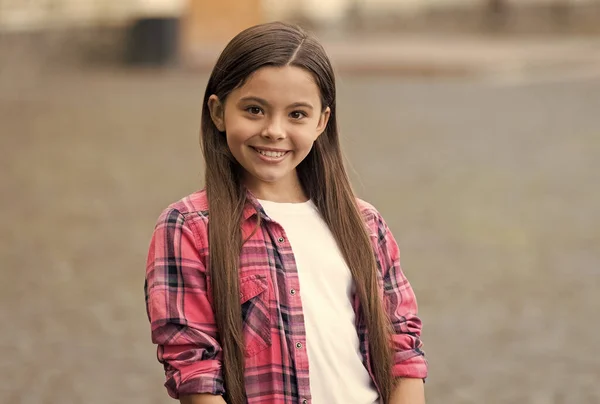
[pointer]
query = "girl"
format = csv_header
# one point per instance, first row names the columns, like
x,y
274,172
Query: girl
x,y
275,284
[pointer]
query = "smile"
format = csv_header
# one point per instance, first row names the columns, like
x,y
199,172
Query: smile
x,y
273,154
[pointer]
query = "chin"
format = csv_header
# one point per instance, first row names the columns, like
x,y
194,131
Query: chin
x,y
270,176
268,179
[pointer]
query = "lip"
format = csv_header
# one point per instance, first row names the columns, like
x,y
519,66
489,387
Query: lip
x,y
270,160
269,149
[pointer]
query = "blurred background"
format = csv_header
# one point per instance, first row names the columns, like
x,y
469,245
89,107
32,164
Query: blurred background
x,y
472,125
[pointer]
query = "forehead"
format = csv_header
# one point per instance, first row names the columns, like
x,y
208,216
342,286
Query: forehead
x,y
287,84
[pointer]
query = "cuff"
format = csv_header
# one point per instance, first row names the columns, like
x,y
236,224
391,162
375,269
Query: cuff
x,y
410,364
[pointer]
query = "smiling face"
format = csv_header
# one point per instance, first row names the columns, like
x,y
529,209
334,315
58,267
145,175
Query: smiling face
x,y
271,123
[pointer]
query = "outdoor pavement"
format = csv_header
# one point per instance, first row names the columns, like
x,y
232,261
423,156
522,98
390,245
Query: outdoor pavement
x,y
491,192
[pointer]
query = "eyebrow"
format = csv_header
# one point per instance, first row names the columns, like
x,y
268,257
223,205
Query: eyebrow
x,y
261,101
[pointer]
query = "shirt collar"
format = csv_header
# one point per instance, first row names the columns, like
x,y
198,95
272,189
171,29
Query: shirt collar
x,y
252,207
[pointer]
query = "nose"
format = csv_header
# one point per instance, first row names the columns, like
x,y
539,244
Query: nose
x,y
274,130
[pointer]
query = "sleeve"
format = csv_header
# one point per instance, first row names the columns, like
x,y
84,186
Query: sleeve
x,y
401,305
181,316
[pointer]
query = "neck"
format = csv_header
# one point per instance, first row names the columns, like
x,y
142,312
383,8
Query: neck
x,y
287,190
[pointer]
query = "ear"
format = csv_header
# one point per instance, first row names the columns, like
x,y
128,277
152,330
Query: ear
x,y
217,112
323,120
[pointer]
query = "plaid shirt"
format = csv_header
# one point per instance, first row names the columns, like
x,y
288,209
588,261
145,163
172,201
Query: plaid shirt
x,y
179,305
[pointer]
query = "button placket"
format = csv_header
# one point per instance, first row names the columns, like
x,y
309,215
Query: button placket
x,y
278,235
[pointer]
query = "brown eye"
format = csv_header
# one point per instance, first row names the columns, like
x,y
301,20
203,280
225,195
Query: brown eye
x,y
297,115
254,110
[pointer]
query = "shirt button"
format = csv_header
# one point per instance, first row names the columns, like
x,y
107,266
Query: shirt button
x,y
305,401
281,239
292,291
299,345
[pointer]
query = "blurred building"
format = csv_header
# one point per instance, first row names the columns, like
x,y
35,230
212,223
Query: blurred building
x,y
157,31
36,14
45,14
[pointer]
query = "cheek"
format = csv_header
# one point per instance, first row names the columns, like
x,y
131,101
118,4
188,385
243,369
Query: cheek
x,y
305,139
239,130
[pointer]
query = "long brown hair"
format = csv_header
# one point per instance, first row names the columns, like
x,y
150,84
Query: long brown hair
x,y
323,176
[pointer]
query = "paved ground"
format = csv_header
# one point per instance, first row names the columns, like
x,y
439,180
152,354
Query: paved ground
x,y
491,189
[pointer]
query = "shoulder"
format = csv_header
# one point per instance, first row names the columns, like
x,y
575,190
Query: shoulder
x,y
191,204
368,211
189,211
381,236
371,216
180,233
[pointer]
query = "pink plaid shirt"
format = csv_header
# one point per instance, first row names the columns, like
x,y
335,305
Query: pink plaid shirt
x,y
179,305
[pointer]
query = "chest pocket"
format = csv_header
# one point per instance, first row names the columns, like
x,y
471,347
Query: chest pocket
x,y
254,298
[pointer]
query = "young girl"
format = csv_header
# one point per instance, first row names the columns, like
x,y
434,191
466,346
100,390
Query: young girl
x,y
275,284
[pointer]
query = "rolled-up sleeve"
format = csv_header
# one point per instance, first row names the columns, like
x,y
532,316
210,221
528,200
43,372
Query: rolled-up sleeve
x,y
401,304
178,307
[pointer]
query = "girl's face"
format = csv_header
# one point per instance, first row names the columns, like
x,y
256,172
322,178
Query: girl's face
x,y
271,123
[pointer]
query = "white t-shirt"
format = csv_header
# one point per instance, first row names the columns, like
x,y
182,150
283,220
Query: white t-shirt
x,y
336,371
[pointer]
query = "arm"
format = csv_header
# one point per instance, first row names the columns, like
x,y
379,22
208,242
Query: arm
x,y
408,391
409,362
201,399
181,316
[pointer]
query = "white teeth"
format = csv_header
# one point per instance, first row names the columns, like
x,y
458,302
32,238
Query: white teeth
x,y
270,153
